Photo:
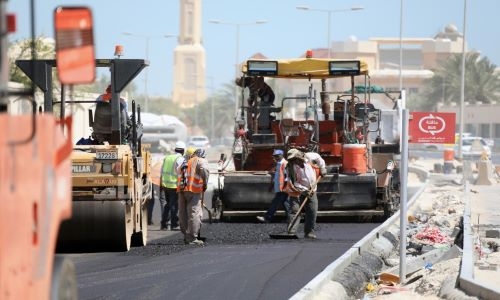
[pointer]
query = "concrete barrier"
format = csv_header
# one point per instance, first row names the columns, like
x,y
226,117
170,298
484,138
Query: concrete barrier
x,y
485,173
466,279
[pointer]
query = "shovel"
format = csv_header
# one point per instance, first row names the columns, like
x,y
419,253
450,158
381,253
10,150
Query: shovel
x,y
288,235
209,217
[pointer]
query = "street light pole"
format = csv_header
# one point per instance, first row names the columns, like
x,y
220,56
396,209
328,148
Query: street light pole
x,y
237,59
147,39
401,47
211,108
462,88
329,11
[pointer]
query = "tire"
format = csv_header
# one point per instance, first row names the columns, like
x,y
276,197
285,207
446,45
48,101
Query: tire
x,y
63,283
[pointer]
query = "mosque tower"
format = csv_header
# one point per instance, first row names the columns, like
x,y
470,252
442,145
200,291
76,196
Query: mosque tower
x,y
189,57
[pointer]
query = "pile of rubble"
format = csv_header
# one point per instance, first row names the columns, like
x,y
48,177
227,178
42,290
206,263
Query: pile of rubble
x,y
434,247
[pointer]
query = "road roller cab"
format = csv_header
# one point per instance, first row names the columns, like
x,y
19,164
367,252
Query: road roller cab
x,y
111,182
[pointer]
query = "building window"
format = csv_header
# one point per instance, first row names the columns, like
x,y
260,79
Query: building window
x,y
471,128
484,130
496,132
413,90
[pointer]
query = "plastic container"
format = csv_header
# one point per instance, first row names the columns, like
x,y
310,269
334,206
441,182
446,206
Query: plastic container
x,y
354,159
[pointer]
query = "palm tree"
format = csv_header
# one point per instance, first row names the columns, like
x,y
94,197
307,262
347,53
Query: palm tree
x,y
481,82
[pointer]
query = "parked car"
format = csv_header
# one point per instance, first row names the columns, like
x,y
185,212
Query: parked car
x,y
473,148
198,141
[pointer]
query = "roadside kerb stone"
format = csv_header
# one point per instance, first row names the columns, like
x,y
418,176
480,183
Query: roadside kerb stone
x,y
325,284
466,278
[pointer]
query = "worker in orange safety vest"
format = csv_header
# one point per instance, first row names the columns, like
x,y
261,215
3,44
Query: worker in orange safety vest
x,y
192,183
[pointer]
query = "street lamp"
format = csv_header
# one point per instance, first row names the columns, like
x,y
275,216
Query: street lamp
x,y
211,107
462,89
147,38
237,59
329,11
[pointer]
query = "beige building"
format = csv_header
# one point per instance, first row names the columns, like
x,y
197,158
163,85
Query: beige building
x,y
189,57
420,57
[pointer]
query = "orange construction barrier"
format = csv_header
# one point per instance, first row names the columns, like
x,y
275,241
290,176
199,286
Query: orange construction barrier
x,y
448,155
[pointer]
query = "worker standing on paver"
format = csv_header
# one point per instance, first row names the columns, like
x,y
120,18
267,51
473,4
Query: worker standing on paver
x,y
168,179
192,183
278,185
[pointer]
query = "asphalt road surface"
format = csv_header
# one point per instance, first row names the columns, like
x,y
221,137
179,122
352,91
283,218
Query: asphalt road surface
x,y
239,261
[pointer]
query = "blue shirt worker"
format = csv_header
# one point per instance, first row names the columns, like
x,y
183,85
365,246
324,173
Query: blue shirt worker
x,y
279,181
171,164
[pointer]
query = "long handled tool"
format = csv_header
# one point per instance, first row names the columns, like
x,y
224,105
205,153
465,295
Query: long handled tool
x,y
209,216
289,234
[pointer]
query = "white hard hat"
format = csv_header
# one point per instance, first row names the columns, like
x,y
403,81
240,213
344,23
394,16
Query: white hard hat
x,y
180,145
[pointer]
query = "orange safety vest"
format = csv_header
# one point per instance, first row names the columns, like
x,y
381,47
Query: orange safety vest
x,y
106,97
189,179
282,175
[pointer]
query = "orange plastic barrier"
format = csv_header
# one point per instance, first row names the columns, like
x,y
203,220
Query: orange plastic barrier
x,y
448,155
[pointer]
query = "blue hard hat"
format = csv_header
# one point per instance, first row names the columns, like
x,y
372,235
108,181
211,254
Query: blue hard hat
x,y
277,152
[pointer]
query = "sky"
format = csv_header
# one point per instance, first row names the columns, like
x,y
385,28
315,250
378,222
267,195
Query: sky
x,y
288,33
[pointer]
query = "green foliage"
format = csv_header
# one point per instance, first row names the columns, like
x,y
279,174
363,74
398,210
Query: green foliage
x,y
44,49
222,106
481,83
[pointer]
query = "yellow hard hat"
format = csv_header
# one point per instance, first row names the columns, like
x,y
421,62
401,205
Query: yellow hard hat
x,y
190,150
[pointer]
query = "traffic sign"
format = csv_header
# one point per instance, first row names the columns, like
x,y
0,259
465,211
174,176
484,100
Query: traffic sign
x,y
432,127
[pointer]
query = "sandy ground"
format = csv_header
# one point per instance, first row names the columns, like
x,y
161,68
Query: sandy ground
x,y
433,224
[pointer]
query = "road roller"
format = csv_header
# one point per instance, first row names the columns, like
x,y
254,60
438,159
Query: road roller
x,y
111,183
317,105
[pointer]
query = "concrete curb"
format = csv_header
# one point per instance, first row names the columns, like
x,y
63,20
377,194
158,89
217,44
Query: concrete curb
x,y
378,241
466,278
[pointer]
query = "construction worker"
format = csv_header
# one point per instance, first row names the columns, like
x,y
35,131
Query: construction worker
x,y
189,153
301,186
155,179
317,161
168,180
192,183
106,97
278,185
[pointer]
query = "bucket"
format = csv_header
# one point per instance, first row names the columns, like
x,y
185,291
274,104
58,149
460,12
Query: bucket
x,y
354,159
448,155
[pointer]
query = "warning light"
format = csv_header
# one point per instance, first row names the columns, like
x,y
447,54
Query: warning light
x,y
118,51
309,53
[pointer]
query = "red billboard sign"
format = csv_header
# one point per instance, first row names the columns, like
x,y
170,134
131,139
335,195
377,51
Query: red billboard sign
x,y
432,127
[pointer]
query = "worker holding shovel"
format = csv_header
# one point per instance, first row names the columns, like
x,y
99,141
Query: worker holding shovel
x,y
302,182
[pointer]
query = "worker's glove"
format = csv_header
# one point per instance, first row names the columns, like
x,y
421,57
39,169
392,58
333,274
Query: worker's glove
x,y
322,172
305,193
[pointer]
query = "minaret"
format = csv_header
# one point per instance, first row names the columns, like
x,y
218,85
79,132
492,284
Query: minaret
x,y
189,57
